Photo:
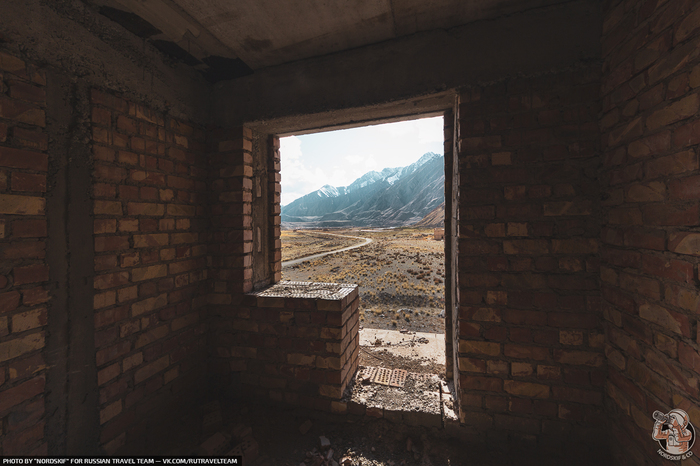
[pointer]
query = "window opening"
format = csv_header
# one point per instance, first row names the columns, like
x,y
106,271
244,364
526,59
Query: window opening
x,y
366,206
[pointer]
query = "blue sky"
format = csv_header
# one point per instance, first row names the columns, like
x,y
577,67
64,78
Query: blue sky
x,y
339,157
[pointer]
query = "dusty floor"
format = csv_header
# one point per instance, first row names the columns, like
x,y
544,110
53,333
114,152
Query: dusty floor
x,y
286,436
412,351
400,275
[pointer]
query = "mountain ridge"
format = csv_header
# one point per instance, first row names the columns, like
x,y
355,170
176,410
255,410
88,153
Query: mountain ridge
x,y
398,196
434,218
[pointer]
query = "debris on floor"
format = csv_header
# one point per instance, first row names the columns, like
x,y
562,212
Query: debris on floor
x,y
306,426
235,440
322,457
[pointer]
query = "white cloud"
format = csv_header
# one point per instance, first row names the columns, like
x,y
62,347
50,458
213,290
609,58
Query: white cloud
x,y
291,147
355,159
340,157
430,130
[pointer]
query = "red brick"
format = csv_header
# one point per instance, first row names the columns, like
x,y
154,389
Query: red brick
x,y
29,139
578,358
126,124
128,192
673,112
101,116
22,392
111,243
668,214
689,357
672,269
104,226
622,258
28,182
109,173
104,190
25,416
521,317
492,384
105,262
112,280
650,146
519,388
676,164
491,403
9,301
35,296
22,112
527,352
111,316
152,178
645,239
20,443
29,228
687,135
31,274
128,224
23,159
115,103
148,209
103,153
111,353
496,334
572,320
641,285
148,193
24,250
128,158
687,188
666,318
688,25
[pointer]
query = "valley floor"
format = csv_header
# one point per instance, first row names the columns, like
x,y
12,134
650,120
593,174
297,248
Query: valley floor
x,y
302,243
400,275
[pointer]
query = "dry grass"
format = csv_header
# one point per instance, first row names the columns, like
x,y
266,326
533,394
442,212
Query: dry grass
x,y
402,269
302,243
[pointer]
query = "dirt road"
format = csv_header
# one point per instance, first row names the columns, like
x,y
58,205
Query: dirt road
x,y
321,254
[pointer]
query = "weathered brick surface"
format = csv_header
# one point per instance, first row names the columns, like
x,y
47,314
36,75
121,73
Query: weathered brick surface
x,y
150,256
301,351
530,332
650,212
23,282
231,194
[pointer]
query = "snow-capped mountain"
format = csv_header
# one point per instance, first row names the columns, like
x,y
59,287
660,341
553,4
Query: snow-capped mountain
x,y
391,197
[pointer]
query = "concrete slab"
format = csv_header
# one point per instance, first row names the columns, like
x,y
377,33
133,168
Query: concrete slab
x,y
418,345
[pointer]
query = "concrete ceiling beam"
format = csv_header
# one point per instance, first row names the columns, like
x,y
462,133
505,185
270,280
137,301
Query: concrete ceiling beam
x,y
179,27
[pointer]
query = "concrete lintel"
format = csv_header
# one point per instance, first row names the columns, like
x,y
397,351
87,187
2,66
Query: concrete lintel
x,y
409,109
424,64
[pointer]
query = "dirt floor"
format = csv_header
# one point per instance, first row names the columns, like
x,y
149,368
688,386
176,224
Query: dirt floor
x,y
409,351
287,436
401,275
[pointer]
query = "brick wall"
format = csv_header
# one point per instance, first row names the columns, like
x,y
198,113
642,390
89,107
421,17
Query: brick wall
x,y
450,238
274,189
531,361
297,346
150,221
231,246
24,275
650,125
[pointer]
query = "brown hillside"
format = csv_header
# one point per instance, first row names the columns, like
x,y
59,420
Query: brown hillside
x,y
435,218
